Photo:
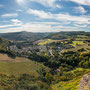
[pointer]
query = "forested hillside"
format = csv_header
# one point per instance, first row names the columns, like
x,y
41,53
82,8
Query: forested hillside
x,y
22,36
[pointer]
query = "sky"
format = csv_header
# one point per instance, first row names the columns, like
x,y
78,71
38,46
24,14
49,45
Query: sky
x,y
44,15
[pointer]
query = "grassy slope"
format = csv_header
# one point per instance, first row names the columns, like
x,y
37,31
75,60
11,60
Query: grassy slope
x,y
72,84
17,66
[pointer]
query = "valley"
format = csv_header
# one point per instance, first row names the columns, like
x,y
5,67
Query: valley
x,y
44,61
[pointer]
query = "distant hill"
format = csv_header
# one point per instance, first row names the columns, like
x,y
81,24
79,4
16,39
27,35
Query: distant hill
x,y
21,36
29,36
65,35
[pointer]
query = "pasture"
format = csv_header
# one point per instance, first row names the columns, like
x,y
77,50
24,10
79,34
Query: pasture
x,y
46,41
18,66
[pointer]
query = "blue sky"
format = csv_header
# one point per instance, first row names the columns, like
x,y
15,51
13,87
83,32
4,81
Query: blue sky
x,y
44,15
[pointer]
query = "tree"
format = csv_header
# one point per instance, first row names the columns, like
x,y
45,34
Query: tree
x,y
49,78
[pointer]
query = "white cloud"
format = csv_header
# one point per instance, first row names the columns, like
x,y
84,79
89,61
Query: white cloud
x,y
58,6
45,3
6,26
21,2
41,27
40,14
16,21
83,2
10,15
80,9
78,25
19,10
59,16
13,23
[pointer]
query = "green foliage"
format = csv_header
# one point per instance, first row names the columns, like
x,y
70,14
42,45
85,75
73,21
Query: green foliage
x,y
22,82
48,77
3,43
70,80
69,58
81,50
9,53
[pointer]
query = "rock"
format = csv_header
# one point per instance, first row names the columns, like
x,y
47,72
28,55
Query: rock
x,y
85,82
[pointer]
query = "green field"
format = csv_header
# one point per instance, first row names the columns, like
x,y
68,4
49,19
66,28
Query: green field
x,y
18,66
82,36
46,41
75,43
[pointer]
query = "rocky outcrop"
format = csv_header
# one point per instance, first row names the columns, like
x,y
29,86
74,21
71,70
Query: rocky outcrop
x,y
85,82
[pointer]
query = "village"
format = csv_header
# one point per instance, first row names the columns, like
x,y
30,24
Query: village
x,y
37,49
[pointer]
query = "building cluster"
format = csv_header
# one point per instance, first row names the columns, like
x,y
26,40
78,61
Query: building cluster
x,y
38,49
35,48
30,49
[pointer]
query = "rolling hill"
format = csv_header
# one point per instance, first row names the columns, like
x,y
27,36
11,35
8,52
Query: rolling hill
x,y
29,36
22,36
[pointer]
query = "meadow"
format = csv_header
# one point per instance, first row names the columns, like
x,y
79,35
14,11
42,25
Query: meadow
x,y
18,66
